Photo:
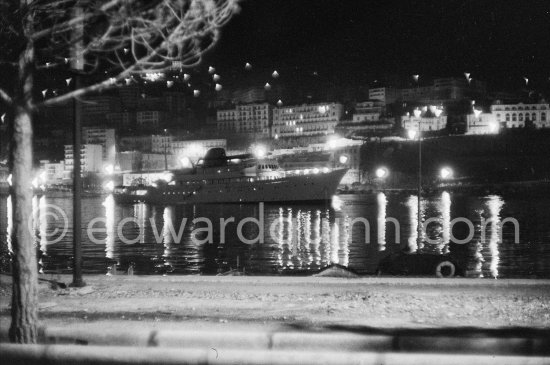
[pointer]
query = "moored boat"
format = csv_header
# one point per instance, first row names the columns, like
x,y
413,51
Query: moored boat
x,y
229,179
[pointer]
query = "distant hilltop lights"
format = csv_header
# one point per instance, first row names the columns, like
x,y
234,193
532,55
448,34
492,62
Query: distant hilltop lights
x,y
153,76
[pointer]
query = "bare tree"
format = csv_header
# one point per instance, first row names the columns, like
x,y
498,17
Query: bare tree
x,y
126,38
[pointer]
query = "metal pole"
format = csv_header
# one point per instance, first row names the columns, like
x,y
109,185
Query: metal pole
x,y
165,158
165,143
77,192
419,214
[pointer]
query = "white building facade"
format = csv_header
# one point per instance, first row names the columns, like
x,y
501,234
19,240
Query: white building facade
x,y
424,124
521,115
104,137
306,120
160,143
54,171
368,111
148,118
482,123
91,158
246,119
386,95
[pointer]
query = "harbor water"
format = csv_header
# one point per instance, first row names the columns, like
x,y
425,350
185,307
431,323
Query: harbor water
x,y
488,235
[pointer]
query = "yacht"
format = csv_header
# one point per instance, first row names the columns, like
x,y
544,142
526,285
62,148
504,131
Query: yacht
x,y
218,178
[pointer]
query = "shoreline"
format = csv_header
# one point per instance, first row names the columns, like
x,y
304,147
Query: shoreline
x,y
384,302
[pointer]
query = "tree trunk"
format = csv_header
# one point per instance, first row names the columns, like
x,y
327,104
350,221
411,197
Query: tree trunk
x,y
24,303
25,277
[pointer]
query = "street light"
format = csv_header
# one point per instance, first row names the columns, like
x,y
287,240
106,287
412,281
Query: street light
x,y
343,159
411,133
186,162
493,127
446,173
382,172
110,186
109,169
259,151
417,114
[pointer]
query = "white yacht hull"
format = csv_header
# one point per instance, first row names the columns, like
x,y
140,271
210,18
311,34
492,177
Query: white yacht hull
x,y
311,187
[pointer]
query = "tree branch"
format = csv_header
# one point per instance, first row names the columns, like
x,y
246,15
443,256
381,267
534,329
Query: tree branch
x,y
72,22
5,97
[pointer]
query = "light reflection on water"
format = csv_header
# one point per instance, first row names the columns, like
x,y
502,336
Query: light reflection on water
x,y
382,202
298,238
494,206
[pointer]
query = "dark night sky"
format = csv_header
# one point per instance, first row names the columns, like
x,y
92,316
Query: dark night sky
x,y
356,41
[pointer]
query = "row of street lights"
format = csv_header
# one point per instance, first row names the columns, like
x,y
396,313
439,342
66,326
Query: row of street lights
x,y
445,173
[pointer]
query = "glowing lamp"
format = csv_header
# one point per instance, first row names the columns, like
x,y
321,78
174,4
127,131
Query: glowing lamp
x,y
259,151
110,186
381,172
446,173
109,169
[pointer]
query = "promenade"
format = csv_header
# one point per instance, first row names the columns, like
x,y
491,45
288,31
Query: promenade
x,y
382,302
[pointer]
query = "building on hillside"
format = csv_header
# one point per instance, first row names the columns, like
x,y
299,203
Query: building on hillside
x,y
446,89
135,143
121,120
94,109
91,158
520,115
306,119
368,111
248,95
482,123
158,162
195,149
129,161
149,119
104,137
246,119
377,128
424,120
160,143
177,113
54,171
386,95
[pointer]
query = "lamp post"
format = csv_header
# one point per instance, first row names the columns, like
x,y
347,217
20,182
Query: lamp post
x,y
417,114
382,173
165,143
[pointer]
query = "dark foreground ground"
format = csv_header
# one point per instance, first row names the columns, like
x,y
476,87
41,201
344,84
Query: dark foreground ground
x,y
246,302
